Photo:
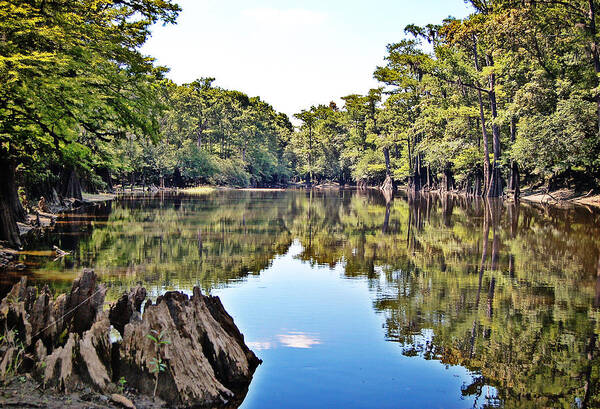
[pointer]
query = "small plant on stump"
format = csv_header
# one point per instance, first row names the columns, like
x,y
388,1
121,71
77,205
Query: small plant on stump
x,y
121,387
156,364
11,342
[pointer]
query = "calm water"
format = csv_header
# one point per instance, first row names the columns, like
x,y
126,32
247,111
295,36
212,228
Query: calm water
x,y
355,302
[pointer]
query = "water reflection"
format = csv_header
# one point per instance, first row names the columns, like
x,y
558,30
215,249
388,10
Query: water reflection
x,y
298,340
291,339
509,291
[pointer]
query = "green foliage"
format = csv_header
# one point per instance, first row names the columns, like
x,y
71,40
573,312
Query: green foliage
x,y
370,167
481,87
230,172
121,384
156,364
196,165
217,136
552,144
10,342
73,78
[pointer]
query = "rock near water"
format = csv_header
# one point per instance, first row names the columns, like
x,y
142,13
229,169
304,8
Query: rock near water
x,y
65,343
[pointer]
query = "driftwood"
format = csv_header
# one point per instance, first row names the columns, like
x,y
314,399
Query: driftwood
x,y
66,345
59,253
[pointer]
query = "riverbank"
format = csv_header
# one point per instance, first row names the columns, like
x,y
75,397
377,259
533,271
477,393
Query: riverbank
x,y
558,198
561,198
24,392
44,217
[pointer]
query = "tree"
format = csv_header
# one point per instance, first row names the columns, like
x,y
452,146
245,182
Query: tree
x,y
66,68
308,118
406,66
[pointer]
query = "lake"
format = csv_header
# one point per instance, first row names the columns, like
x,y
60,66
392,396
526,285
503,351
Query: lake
x,y
355,301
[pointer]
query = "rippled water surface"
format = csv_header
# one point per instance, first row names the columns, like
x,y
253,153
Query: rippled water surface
x,y
356,301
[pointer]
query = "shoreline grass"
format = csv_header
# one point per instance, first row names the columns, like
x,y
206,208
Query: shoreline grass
x,y
199,190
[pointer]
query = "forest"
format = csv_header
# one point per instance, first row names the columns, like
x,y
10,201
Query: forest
x,y
505,98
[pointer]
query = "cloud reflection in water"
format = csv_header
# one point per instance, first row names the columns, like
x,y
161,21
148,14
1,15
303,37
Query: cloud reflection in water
x,y
298,340
291,339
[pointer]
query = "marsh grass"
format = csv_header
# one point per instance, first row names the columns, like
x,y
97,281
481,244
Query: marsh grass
x,y
199,190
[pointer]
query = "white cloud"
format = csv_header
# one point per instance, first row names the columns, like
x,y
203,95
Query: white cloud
x,y
260,345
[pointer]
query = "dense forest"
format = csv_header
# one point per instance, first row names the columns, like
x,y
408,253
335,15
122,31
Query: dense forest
x,y
509,96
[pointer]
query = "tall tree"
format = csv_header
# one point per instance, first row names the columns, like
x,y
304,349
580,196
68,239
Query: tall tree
x,y
68,67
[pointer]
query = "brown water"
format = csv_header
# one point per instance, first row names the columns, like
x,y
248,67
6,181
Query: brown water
x,y
352,301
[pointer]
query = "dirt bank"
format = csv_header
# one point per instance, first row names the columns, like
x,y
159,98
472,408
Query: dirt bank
x,y
24,392
561,197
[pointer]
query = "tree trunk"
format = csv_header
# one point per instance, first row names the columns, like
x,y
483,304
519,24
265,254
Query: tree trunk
x,y
514,166
490,306
429,177
310,166
386,155
484,251
73,187
597,298
417,177
595,52
177,178
11,210
495,186
386,219
104,173
448,183
486,151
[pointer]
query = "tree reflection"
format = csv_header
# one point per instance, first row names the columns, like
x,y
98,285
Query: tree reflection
x,y
509,291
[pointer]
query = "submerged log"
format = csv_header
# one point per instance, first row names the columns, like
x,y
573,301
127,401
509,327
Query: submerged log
x,y
68,345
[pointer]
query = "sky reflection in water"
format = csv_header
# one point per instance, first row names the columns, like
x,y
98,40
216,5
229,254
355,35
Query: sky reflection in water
x,y
323,345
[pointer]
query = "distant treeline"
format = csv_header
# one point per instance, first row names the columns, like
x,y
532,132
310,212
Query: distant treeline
x,y
508,96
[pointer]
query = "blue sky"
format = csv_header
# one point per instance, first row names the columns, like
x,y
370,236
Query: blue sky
x,y
291,53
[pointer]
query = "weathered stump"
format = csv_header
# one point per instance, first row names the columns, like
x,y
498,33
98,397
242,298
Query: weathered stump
x,y
66,343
